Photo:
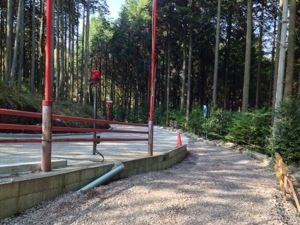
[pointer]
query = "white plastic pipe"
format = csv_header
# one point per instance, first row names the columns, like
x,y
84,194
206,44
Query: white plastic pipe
x,y
103,178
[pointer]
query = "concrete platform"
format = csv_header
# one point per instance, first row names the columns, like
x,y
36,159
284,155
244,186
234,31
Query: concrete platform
x,y
81,153
23,185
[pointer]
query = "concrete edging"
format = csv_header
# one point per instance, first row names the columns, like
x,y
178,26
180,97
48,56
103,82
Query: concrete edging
x,y
28,191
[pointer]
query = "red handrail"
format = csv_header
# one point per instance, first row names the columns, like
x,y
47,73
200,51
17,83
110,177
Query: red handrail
x,y
90,120
11,112
6,126
36,140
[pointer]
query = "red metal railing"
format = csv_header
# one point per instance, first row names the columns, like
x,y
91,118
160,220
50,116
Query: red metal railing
x,y
10,112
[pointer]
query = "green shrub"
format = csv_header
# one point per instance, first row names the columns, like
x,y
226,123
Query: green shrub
x,y
178,116
286,141
219,121
160,116
251,128
197,122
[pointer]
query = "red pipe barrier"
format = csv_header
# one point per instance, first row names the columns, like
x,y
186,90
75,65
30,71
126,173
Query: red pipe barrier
x,y
80,119
12,112
6,126
89,130
66,129
35,140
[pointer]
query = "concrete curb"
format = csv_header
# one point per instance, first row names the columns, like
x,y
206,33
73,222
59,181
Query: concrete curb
x,y
13,169
23,192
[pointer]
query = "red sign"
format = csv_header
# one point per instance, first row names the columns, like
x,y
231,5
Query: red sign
x,y
95,74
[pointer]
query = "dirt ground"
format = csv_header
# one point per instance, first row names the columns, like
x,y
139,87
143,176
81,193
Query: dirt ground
x,y
212,185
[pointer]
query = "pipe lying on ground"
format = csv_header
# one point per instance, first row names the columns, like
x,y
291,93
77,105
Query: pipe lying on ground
x,y
103,178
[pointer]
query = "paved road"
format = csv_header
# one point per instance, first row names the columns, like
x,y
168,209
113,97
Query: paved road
x,y
81,153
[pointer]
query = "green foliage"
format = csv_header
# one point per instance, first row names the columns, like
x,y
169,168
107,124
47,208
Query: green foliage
x,y
174,118
221,121
216,124
196,123
160,116
119,114
11,98
72,109
286,140
178,116
251,128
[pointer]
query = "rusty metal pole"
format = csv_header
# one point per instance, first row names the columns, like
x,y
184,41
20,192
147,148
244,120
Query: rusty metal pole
x,y
95,117
152,80
47,103
46,136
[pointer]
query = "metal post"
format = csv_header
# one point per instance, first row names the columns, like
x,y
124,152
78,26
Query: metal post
x,y
150,123
46,136
95,117
47,103
281,61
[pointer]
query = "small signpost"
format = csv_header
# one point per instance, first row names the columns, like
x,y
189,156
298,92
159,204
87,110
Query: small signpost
x,y
94,81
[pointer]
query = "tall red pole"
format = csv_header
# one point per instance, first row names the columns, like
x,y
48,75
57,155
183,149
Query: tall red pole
x,y
47,102
152,81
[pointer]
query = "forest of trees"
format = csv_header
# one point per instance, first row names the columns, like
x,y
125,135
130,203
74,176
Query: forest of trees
x,y
225,53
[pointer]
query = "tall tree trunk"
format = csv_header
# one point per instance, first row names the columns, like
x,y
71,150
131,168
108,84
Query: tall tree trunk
x,y
65,57
82,55
58,15
77,63
62,55
289,76
168,73
271,87
277,54
182,99
33,48
281,63
226,60
72,50
21,55
188,99
281,66
216,65
247,58
86,64
112,89
259,56
13,73
2,67
9,29
41,48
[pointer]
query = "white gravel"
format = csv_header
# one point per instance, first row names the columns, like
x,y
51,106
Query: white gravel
x,y
212,185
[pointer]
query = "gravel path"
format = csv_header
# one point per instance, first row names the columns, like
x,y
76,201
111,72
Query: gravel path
x,y
212,185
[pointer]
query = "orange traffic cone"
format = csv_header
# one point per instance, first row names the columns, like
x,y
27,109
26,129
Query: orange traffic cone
x,y
179,143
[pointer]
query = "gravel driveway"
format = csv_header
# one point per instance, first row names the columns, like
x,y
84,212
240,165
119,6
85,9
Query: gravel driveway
x,y
212,185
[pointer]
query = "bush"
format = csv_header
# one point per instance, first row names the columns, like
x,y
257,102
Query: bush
x,y
197,122
286,140
219,122
252,129
178,116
